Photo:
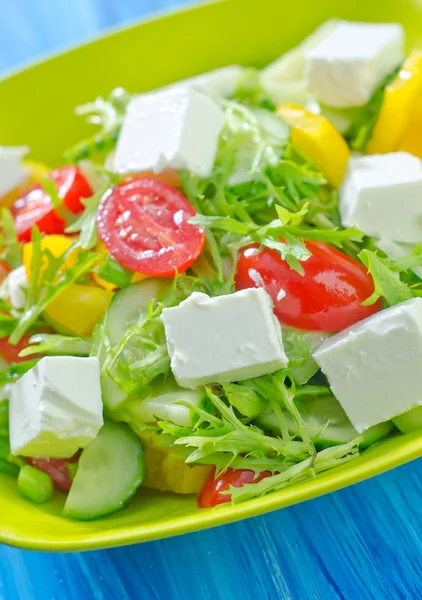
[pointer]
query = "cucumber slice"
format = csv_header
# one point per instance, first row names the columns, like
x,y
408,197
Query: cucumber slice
x,y
316,412
127,307
111,469
162,406
410,420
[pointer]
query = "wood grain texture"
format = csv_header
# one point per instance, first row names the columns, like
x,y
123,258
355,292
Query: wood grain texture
x,y
361,543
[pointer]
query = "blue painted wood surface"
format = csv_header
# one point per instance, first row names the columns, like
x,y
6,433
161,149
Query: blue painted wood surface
x,y
362,543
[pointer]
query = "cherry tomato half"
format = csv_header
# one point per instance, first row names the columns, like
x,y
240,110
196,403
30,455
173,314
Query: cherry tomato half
x,y
143,224
10,353
35,206
328,297
57,469
211,495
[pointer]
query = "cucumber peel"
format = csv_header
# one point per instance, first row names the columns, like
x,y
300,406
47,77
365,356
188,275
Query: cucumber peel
x,y
111,469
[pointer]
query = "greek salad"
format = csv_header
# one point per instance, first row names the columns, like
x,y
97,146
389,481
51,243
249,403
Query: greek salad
x,y
220,292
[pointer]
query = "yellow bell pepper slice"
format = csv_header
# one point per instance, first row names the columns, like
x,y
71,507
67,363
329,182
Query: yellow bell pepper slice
x,y
397,106
36,171
318,139
166,473
101,249
78,308
56,244
411,140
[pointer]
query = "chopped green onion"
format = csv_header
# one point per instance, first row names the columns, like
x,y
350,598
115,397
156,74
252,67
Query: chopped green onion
x,y
35,485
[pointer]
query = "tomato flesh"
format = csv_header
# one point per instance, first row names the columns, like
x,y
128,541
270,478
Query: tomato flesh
x,y
328,297
10,353
211,495
57,469
35,206
144,225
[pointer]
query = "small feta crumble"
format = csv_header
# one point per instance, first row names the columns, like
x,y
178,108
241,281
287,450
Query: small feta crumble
x,y
56,407
14,286
177,128
12,173
227,338
374,367
381,195
348,64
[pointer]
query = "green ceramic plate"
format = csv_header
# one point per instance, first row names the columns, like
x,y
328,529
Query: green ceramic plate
x,y
36,108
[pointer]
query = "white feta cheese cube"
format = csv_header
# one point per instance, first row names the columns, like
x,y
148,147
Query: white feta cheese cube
x,y
395,251
228,338
381,195
374,367
12,173
177,128
13,287
56,407
347,65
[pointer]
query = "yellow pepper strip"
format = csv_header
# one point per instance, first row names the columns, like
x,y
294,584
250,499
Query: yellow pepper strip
x,y
36,171
412,137
397,106
318,139
78,308
101,249
56,244
166,473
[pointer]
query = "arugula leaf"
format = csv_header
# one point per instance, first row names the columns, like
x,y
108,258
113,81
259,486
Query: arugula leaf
x,y
386,277
86,223
49,277
57,345
50,189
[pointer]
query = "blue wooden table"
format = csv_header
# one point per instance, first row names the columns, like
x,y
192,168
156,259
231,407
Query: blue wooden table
x,y
362,543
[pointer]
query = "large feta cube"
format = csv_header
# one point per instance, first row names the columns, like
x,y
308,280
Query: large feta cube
x,y
56,407
347,65
228,338
177,128
12,173
374,367
381,195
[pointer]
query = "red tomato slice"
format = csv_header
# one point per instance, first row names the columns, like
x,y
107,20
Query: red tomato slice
x,y
143,224
211,495
4,271
56,468
35,207
10,353
328,297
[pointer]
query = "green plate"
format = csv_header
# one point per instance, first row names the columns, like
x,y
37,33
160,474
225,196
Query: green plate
x,y
36,108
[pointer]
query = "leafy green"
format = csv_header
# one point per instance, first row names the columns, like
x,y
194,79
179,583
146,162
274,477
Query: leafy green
x,y
86,223
8,240
57,345
250,92
244,399
108,114
52,192
307,468
15,371
299,346
361,131
111,271
386,276
49,277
